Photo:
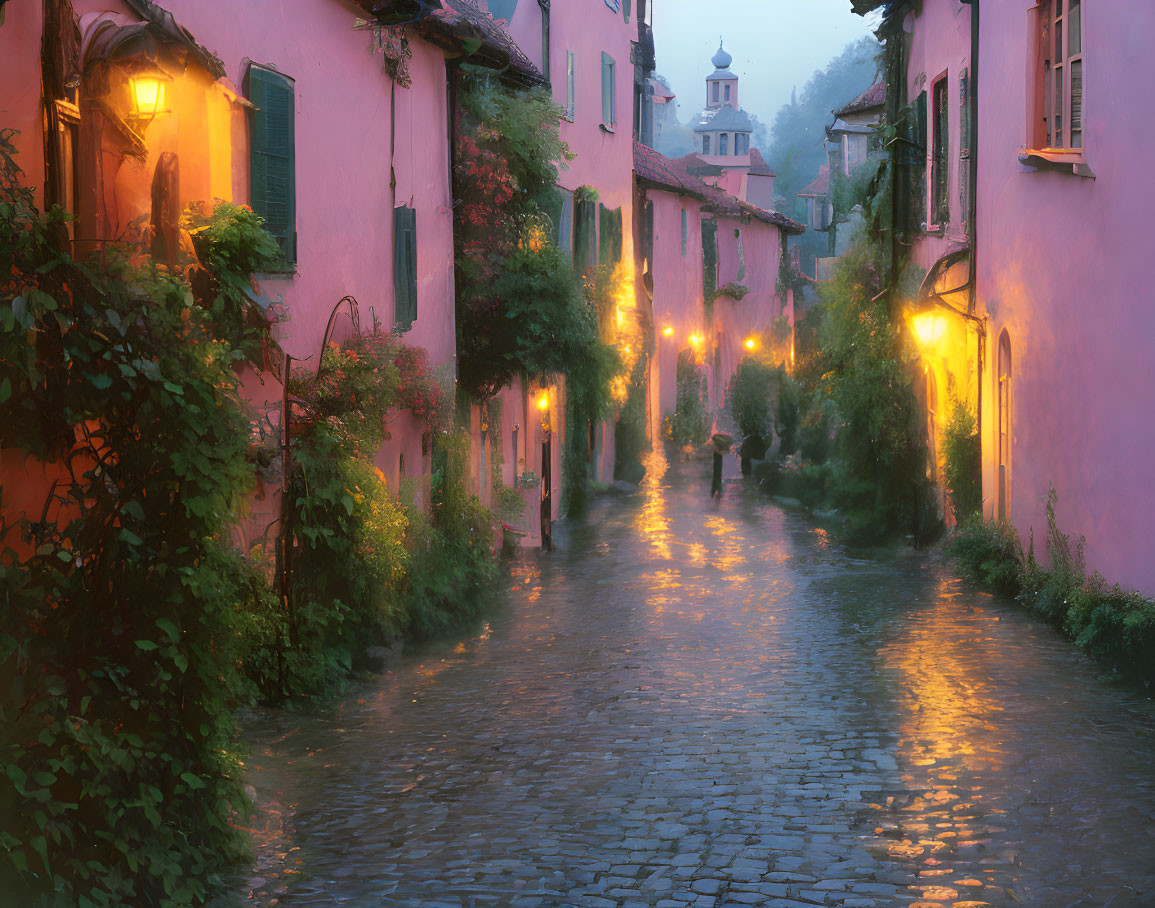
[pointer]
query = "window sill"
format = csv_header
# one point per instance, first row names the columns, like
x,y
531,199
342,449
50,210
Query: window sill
x,y
606,127
280,272
1057,160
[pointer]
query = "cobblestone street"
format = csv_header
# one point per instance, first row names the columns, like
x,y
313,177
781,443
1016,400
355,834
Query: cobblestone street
x,y
712,703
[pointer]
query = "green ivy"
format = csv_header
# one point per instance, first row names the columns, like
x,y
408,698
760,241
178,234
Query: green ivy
x,y
118,778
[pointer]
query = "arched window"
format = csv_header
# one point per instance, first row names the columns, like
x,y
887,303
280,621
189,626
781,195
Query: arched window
x,y
1006,401
705,144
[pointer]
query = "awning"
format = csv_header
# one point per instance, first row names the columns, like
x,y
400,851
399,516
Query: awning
x,y
948,282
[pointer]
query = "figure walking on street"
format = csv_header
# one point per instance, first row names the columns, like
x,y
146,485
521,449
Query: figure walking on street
x,y
722,443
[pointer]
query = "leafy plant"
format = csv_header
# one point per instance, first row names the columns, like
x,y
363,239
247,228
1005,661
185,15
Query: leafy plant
x,y
687,424
962,461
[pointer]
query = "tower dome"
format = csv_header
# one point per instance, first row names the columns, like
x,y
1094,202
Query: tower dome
x,y
721,59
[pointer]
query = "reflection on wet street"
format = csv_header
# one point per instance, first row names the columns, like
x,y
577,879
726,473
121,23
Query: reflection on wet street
x,y
714,703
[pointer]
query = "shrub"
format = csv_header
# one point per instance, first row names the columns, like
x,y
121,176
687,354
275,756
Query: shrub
x,y
687,425
753,393
962,470
989,553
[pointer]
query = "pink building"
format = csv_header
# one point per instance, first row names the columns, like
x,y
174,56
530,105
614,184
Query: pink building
x,y
703,238
356,190
584,49
1053,345
1062,218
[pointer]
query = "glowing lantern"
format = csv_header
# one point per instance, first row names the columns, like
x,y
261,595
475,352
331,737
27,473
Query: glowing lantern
x,y
928,328
146,94
750,343
667,331
695,340
543,401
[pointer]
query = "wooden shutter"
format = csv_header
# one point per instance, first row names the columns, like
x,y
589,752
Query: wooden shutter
x,y
610,241
585,234
709,256
404,266
272,183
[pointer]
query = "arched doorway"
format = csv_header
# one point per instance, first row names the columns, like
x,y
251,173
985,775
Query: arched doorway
x,y
1003,507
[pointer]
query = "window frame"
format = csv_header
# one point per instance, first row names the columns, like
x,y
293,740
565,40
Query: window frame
x,y
404,267
1045,22
706,143
938,154
685,231
723,143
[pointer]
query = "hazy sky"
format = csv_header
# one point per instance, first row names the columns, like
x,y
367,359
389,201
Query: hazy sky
x,y
776,44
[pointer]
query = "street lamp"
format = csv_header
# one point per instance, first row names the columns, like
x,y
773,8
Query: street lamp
x,y
146,93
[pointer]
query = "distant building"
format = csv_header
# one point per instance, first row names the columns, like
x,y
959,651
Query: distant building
x,y
723,129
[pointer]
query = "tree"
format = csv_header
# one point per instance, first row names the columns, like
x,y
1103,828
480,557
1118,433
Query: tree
x,y
796,148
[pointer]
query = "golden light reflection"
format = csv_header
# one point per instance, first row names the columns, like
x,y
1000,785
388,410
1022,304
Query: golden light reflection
x,y
651,521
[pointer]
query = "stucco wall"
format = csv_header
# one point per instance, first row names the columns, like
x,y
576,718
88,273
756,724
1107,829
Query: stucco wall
x,y
677,290
20,91
1064,268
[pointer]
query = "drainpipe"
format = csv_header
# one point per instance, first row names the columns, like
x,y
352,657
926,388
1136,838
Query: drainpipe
x,y
972,201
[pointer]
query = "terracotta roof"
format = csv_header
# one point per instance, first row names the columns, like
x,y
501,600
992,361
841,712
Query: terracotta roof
x,y
758,166
873,97
461,27
682,175
821,186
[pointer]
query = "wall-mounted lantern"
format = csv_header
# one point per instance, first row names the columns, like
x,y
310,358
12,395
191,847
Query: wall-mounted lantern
x,y
667,331
146,92
928,328
751,344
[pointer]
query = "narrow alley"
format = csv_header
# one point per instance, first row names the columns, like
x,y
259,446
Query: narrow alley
x,y
712,703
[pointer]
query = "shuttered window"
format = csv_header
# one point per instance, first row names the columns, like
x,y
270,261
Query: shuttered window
x,y
610,240
607,89
404,267
685,230
709,256
940,149
272,183
570,88
585,230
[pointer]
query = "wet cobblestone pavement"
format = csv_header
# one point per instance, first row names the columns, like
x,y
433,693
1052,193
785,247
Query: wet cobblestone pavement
x,y
712,704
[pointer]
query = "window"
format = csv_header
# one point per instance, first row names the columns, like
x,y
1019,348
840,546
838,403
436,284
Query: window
x,y
1005,404
741,143
1059,35
723,144
964,139
727,93
62,181
1057,101
715,87
685,230
569,86
502,9
607,89
404,267
918,167
272,182
940,148
626,10
741,255
705,144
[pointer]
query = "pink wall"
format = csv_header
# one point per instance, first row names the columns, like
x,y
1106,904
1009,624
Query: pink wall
x,y
754,314
677,290
941,43
1064,269
20,94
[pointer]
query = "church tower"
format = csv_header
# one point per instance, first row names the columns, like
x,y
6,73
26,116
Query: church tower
x,y
721,84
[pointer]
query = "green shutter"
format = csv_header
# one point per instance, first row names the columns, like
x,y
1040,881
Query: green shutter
x,y
709,256
626,10
272,185
610,241
584,234
404,266
607,89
